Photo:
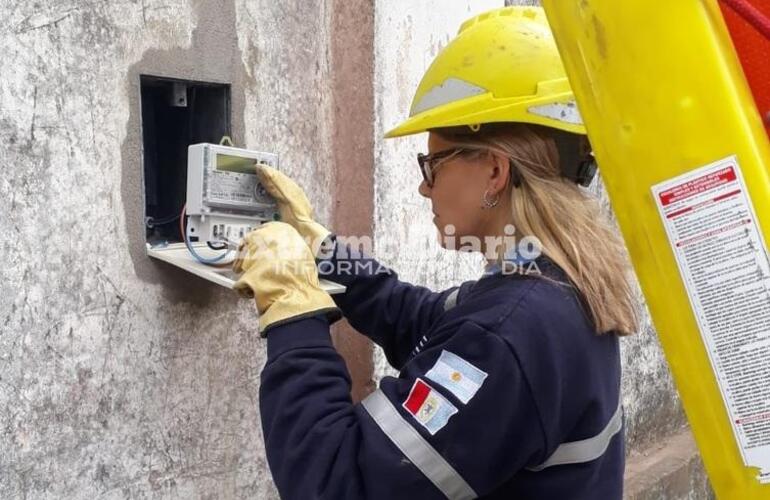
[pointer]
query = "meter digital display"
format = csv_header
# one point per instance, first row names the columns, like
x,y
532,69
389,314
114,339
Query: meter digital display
x,y
235,164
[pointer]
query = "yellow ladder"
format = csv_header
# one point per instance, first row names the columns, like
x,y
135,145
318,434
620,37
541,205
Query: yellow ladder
x,y
685,159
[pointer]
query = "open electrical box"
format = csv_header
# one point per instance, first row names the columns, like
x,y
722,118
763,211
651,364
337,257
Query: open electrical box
x,y
201,198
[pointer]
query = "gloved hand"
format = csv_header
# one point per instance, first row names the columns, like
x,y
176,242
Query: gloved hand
x,y
293,206
279,271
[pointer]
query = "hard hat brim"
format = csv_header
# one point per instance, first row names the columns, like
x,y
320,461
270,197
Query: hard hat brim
x,y
486,109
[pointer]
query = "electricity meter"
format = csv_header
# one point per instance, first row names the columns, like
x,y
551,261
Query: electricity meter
x,y
224,197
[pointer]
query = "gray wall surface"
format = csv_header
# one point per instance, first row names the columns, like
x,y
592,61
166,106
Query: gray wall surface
x,y
119,376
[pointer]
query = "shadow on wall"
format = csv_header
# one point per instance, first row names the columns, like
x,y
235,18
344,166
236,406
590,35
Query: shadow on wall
x,y
213,57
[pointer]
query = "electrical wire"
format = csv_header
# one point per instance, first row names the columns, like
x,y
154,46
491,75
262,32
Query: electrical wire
x,y
153,222
203,260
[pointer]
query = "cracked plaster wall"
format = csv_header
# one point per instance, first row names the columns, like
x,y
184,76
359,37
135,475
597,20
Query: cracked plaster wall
x,y
119,376
406,40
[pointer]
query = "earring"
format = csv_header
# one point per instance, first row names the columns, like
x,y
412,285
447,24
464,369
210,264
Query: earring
x,y
487,203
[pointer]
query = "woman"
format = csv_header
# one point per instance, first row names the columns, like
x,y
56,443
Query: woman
x,y
509,386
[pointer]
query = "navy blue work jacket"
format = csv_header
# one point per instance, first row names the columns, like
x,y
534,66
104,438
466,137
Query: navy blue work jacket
x,y
504,392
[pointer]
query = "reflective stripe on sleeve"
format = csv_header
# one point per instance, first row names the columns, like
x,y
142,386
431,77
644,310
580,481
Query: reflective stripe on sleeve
x,y
451,300
415,448
585,450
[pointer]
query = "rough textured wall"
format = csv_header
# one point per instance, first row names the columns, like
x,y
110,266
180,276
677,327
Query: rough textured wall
x,y
406,40
121,377
353,138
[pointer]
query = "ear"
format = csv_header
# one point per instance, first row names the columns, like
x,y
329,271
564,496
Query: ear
x,y
500,175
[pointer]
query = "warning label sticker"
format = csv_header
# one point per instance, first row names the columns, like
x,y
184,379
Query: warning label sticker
x,y
724,264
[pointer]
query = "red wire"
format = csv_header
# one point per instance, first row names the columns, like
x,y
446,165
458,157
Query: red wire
x,y
751,14
181,222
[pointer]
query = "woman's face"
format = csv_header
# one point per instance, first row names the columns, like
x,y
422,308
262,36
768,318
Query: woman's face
x,y
459,184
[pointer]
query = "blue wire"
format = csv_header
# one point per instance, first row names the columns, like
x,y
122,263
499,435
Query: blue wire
x,y
204,260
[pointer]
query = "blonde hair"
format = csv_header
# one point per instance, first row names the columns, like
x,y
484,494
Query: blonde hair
x,y
575,234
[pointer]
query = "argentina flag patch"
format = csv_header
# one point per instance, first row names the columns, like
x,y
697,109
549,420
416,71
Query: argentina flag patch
x,y
457,375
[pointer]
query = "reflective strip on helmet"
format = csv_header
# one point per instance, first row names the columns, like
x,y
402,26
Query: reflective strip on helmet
x,y
566,112
585,450
450,90
415,448
451,300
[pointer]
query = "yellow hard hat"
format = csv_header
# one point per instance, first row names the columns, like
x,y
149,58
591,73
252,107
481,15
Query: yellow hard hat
x,y
503,66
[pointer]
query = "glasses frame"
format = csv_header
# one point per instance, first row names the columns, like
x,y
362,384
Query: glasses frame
x,y
429,163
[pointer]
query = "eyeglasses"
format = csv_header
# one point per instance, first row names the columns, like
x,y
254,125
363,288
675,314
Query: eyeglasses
x,y
429,163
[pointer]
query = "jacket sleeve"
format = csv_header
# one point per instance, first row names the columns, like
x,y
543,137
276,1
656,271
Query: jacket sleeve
x,y
420,435
393,313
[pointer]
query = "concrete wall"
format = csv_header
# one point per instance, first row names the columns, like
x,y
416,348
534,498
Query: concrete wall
x,y
121,377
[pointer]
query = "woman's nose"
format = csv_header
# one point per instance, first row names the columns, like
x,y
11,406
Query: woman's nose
x,y
424,190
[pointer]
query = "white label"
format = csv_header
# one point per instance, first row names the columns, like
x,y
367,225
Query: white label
x,y
724,264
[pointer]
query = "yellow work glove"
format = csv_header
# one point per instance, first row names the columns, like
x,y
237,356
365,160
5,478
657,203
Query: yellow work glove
x,y
293,206
279,271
